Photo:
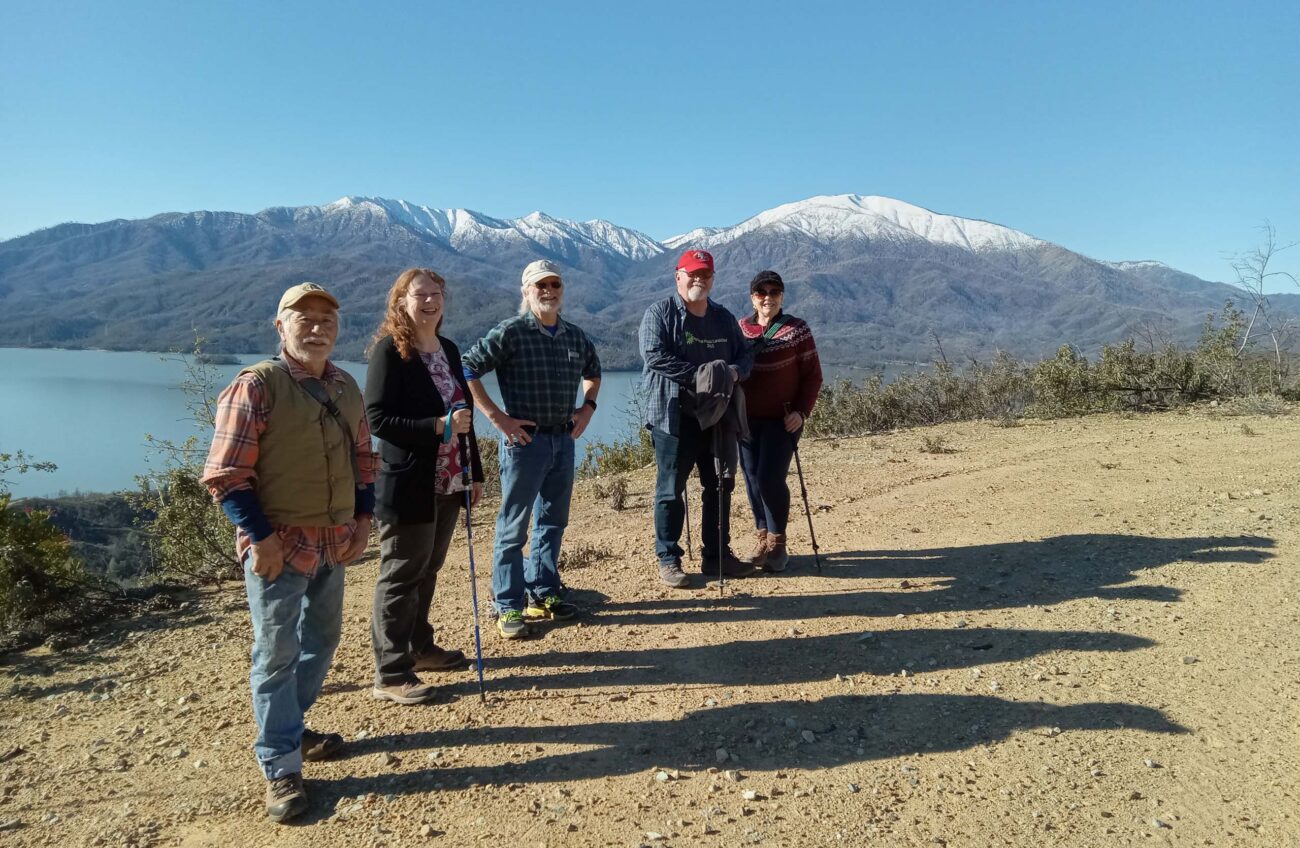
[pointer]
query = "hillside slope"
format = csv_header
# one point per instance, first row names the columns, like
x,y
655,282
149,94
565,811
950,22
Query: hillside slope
x,y
1072,634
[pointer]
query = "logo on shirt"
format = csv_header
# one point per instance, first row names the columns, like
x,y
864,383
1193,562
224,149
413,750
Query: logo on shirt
x,y
691,338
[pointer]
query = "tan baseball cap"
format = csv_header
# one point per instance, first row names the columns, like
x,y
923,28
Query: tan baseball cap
x,y
540,270
301,292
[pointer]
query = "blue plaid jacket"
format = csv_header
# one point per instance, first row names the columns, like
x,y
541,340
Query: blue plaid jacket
x,y
663,339
538,374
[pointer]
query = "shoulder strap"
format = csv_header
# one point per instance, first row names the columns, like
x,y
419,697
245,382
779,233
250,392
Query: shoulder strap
x,y
316,389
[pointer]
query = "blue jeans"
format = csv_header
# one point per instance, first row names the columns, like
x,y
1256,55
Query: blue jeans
x,y
675,456
296,625
765,459
536,483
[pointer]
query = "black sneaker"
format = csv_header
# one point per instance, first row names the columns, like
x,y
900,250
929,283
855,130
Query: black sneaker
x,y
671,574
729,567
285,797
552,607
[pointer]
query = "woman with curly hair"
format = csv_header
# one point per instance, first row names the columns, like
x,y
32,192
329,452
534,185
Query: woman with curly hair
x,y
413,387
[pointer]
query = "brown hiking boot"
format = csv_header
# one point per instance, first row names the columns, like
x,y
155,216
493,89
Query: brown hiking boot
x,y
730,566
777,556
319,746
759,556
407,692
439,659
285,797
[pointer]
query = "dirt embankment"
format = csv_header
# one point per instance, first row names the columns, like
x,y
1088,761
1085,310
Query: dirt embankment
x,y
1075,633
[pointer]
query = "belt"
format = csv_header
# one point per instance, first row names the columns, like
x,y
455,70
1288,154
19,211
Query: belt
x,y
549,429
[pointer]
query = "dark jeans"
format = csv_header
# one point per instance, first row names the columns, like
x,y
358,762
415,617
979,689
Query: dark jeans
x,y
765,459
674,458
411,556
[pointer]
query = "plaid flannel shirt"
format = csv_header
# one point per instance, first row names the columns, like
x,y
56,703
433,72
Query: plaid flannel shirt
x,y
538,374
242,412
662,339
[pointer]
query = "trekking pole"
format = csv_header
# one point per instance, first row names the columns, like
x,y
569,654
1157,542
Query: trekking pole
x,y
803,490
722,576
686,514
469,541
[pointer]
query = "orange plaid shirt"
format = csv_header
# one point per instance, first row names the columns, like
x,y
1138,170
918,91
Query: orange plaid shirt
x,y
242,412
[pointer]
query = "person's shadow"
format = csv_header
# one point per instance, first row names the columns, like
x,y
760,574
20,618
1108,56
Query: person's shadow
x,y
763,736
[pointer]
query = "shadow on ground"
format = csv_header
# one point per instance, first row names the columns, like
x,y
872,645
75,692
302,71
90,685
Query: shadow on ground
x,y
1002,575
765,736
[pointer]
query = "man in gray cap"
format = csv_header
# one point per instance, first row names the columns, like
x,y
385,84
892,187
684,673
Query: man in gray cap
x,y
292,467
540,359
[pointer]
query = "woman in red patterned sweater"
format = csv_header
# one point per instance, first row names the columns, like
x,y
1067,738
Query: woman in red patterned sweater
x,y
779,397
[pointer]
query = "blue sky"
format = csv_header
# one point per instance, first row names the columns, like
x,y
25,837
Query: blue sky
x,y
1123,130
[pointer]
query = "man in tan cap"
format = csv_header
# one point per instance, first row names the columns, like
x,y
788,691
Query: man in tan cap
x,y
292,467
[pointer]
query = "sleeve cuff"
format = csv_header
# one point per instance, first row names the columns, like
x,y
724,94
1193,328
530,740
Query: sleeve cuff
x,y
365,500
245,512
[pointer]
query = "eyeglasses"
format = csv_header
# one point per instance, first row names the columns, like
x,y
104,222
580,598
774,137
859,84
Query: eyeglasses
x,y
768,292
543,285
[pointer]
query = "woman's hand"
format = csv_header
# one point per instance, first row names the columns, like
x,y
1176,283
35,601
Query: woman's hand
x,y
461,421
475,494
793,421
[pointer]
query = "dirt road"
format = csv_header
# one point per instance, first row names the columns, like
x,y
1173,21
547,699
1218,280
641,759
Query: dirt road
x,y
1073,633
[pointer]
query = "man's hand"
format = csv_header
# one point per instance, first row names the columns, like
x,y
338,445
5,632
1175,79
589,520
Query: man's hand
x,y
461,421
793,421
581,418
513,428
475,494
360,541
268,558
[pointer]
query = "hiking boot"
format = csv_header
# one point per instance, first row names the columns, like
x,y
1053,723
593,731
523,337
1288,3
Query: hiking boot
x,y
407,692
511,624
319,746
285,797
439,659
552,607
671,574
777,556
730,566
759,556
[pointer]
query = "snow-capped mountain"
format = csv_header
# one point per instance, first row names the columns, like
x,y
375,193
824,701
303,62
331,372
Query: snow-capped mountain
x,y
876,277
468,231
851,216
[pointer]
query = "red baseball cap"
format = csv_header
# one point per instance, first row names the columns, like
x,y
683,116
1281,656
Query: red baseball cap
x,y
694,260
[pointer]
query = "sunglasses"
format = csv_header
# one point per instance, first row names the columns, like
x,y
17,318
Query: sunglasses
x,y
548,284
768,292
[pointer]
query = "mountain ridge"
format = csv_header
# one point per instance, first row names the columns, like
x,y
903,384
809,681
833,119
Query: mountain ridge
x,y
879,277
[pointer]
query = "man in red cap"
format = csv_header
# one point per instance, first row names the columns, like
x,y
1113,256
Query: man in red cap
x,y
677,336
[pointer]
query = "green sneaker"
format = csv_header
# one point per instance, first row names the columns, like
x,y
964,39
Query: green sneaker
x,y
552,607
511,624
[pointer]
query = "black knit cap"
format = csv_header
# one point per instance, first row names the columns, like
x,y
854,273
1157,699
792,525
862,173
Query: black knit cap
x,y
770,278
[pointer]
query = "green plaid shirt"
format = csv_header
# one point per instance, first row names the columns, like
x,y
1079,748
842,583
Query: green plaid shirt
x,y
538,373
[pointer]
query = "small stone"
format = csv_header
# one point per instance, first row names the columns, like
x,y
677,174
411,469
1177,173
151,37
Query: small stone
x,y
749,795
662,776
1096,772
721,755
732,775
809,736
994,686
390,759
1152,763
865,636
710,702
1158,824
854,788
614,699
1189,660
961,622
653,836
426,830
200,764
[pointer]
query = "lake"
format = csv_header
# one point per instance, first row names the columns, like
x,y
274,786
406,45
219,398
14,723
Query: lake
x,y
88,412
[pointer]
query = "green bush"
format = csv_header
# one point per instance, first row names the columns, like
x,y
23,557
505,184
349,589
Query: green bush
x,y
40,577
189,536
